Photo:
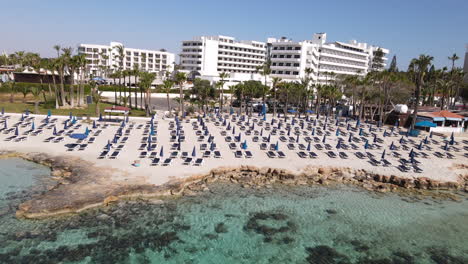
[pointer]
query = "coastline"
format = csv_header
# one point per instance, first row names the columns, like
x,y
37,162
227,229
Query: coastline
x,y
82,185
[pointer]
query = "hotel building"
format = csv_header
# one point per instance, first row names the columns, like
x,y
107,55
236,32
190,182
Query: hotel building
x,y
465,64
289,59
101,57
208,56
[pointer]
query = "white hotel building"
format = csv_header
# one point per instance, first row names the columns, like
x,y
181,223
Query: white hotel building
x,y
146,60
290,59
208,56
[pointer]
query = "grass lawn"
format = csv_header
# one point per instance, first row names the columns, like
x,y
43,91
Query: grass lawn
x,y
20,106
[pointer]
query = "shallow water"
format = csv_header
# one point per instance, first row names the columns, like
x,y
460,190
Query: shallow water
x,y
230,224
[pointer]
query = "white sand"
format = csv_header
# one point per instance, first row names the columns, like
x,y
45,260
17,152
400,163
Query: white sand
x,y
434,168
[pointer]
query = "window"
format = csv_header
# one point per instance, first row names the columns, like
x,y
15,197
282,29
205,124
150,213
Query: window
x,y
295,73
296,64
297,56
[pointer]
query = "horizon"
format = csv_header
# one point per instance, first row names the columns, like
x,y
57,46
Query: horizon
x,y
419,30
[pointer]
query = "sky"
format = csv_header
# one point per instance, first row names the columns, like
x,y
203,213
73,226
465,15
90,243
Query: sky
x,y
407,28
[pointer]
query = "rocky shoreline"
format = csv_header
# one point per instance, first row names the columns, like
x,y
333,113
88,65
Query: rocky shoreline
x,y
80,185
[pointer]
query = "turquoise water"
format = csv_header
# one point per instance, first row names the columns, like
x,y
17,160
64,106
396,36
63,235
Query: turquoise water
x,y
230,224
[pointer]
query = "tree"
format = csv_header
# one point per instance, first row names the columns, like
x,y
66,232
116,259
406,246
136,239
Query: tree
x,y
265,71
421,65
223,76
275,82
146,79
97,97
121,55
377,61
167,86
393,65
203,90
25,91
452,58
180,78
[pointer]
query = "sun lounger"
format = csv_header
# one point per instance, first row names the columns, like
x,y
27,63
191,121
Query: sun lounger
x,y
187,161
217,154
248,154
343,155
263,146
174,154
291,146
228,139
281,154
271,154
331,154
302,154
449,155
312,155
238,154
232,146
82,147
198,162
318,146
103,154
142,147
155,162
114,155
59,139
167,162
207,154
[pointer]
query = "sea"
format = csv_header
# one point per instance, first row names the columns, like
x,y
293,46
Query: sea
x,y
231,224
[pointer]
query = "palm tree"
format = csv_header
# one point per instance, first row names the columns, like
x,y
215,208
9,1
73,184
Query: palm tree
x,y
308,71
275,82
453,58
97,97
265,71
167,86
421,66
223,76
146,79
180,78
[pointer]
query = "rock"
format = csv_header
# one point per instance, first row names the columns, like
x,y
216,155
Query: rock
x,y
110,199
103,217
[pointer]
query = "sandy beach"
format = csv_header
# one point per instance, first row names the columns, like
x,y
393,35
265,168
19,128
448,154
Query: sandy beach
x,y
120,171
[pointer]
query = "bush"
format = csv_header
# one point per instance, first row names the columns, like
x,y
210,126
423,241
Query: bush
x,y
19,86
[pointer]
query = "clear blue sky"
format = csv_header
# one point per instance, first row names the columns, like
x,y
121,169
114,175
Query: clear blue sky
x,y
406,27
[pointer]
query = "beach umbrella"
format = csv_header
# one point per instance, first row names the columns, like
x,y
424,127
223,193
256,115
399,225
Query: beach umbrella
x,y
350,139
161,152
452,139
244,145
5,125
383,154
261,132
178,146
324,126
385,133
194,151
358,122
337,133
420,145
426,140
108,146
360,131
100,117
308,146
212,146
277,146
446,146
302,125
269,138
315,122
348,126
33,126
430,134
313,131
54,132
148,147
411,154
289,131
366,145
228,126
224,122
114,140
3,110
149,140
16,131
375,138
22,117
122,124
297,139
279,125
87,131
49,113
324,138
392,146
370,128
338,146
253,126
94,124
233,130
239,137
401,139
